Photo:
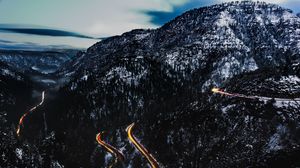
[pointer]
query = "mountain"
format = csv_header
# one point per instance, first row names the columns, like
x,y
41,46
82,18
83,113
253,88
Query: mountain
x,y
161,79
44,62
238,37
38,65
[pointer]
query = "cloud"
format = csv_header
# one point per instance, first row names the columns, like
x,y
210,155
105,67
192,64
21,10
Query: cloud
x,y
93,18
6,28
25,36
159,17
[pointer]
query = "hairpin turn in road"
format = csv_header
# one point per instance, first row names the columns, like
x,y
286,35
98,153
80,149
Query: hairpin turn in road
x,y
152,161
118,154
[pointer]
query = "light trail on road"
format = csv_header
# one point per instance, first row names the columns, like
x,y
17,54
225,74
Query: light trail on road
x,y
140,147
118,154
220,91
30,111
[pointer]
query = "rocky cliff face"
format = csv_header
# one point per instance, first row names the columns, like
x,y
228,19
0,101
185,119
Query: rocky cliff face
x,y
161,80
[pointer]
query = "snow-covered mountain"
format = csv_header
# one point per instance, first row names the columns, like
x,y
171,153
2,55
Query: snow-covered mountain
x,y
224,40
161,80
38,65
44,62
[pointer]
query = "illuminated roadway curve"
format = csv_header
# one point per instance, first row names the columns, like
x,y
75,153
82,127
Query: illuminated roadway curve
x,y
219,91
30,111
119,156
141,148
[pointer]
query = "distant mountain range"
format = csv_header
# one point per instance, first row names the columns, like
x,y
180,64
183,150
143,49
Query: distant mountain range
x,y
11,45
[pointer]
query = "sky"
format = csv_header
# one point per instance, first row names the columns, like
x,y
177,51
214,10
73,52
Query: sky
x,y
80,23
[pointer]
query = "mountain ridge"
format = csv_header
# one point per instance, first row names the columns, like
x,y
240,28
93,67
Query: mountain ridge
x,y
162,79
219,37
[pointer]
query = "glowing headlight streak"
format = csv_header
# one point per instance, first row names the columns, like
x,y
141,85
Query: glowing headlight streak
x,y
141,148
119,156
27,113
219,91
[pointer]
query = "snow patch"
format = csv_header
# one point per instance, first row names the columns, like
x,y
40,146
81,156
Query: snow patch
x,y
287,16
274,19
85,77
56,164
141,36
293,104
107,158
274,141
19,153
250,64
7,72
171,58
126,76
224,19
292,79
225,109
228,67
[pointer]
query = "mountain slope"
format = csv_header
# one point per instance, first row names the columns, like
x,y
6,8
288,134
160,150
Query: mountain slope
x,y
15,94
224,40
161,79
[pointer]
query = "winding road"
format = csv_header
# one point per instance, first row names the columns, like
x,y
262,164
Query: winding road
x,y
27,113
220,91
118,154
140,147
